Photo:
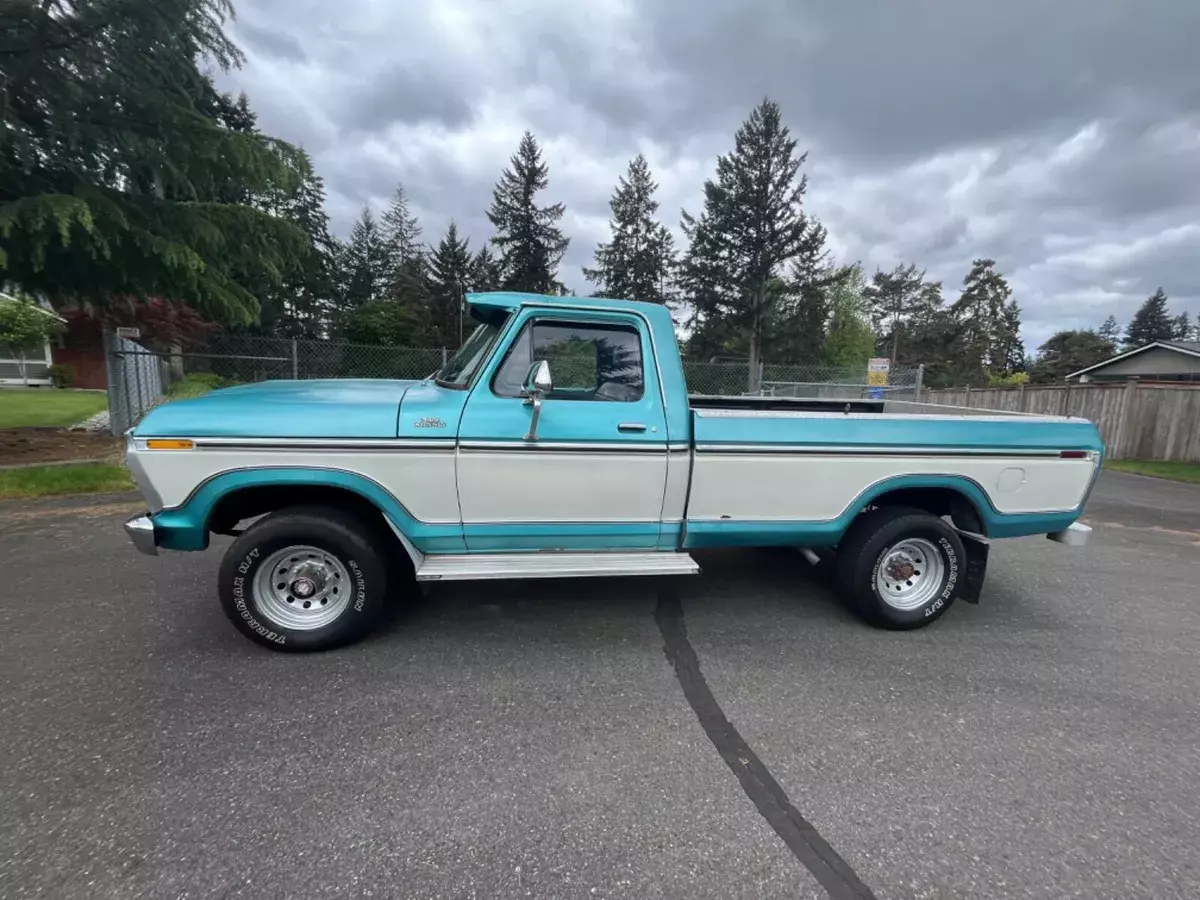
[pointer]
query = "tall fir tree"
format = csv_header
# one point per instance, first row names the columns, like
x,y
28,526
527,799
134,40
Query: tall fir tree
x,y
637,263
799,322
931,335
485,271
989,322
1183,327
895,298
124,171
365,264
1110,331
401,230
751,225
449,270
1152,322
300,307
528,236
406,263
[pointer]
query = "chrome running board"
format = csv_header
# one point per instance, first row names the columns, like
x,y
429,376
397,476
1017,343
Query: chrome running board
x,y
553,564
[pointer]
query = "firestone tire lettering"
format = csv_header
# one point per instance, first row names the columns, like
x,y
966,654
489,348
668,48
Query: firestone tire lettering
x,y
340,534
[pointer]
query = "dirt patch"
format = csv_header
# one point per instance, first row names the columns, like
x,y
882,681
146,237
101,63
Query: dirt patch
x,y
35,445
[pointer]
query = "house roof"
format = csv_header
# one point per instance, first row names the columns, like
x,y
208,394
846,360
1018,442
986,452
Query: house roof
x,y
1188,348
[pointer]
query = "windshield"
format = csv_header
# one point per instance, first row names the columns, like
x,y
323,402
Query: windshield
x,y
470,356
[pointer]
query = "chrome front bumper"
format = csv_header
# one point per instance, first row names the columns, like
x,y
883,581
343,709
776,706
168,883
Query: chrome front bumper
x,y
141,531
1074,535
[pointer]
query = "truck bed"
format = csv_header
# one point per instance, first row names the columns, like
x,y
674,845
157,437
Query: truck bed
x,y
785,403
781,466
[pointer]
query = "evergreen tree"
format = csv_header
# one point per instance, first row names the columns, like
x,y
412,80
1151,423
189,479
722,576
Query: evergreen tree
x,y
401,231
933,333
895,298
366,276
301,305
1183,327
636,264
752,224
123,171
799,320
1008,353
527,235
988,338
406,263
1152,322
485,274
449,276
1110,331
1067,352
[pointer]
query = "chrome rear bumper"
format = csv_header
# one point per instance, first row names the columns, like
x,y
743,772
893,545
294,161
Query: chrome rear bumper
x,y
141,531
1074,535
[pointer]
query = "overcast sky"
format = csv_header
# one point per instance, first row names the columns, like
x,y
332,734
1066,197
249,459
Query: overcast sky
x,y
1059,137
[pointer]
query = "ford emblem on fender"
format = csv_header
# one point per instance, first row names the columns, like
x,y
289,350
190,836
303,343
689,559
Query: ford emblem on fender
x,y
429,422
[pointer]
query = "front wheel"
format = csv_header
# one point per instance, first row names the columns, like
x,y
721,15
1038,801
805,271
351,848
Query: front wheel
x,y
304,579
901,568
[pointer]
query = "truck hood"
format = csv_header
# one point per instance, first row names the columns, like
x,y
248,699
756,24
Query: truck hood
x,y
331,408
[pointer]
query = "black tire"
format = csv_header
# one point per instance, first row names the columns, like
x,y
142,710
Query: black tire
x,y
868,543
353,544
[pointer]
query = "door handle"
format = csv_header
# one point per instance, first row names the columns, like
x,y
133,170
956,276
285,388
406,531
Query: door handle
x,y
631,426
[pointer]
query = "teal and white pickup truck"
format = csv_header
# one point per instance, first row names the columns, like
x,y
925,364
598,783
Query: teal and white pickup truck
x,y
560,441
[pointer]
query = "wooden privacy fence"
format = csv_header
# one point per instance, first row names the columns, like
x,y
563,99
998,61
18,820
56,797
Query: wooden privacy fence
x,y
1137,420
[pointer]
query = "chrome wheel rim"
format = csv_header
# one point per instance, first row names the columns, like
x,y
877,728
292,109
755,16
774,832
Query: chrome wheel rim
x,y
910,574
301,588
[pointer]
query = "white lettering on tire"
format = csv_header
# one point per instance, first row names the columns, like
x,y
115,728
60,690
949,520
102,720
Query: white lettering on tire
x,y
360,596
951,578
239,601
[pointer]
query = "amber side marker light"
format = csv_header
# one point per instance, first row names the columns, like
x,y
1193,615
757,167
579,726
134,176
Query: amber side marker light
x,y
168,445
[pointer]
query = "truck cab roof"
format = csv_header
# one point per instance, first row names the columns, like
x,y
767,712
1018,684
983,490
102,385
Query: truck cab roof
x,y
507,301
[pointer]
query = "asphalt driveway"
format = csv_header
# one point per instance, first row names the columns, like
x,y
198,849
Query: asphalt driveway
x,y
736,735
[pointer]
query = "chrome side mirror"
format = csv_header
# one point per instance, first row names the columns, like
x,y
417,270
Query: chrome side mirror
x,y
538,384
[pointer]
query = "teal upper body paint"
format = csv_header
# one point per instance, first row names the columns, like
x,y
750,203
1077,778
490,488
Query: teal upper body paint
x,y
473,412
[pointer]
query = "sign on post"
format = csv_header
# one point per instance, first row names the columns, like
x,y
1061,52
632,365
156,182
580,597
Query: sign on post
x,y
130,332
877,376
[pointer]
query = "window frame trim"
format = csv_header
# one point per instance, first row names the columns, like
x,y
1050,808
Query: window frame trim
x,y
618,323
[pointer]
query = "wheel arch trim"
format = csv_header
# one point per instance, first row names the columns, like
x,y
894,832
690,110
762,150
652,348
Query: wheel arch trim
x,y
186,527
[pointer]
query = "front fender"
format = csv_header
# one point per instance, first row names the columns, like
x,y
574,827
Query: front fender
x,y
186,527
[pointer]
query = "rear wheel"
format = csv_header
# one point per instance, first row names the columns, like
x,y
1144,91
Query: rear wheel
x,y
900,567
305,579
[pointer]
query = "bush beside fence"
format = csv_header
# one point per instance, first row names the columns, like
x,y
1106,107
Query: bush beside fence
x,y
1136,420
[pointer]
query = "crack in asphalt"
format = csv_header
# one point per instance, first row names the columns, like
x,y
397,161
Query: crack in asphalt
x,y
831,871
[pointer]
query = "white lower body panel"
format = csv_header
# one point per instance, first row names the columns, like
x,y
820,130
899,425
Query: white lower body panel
x,y
817,487
483,566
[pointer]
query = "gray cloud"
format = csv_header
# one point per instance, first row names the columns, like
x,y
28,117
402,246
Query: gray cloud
x,y
271,43
1061,139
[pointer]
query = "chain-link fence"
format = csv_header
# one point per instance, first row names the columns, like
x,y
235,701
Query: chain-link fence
x,y
140,378
732,379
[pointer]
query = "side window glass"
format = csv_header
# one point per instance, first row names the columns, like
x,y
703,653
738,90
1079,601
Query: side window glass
x,y
587,361
511,374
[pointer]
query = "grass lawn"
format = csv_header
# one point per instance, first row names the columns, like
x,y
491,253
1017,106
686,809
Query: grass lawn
x,y
51,481
48,406
1157,468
